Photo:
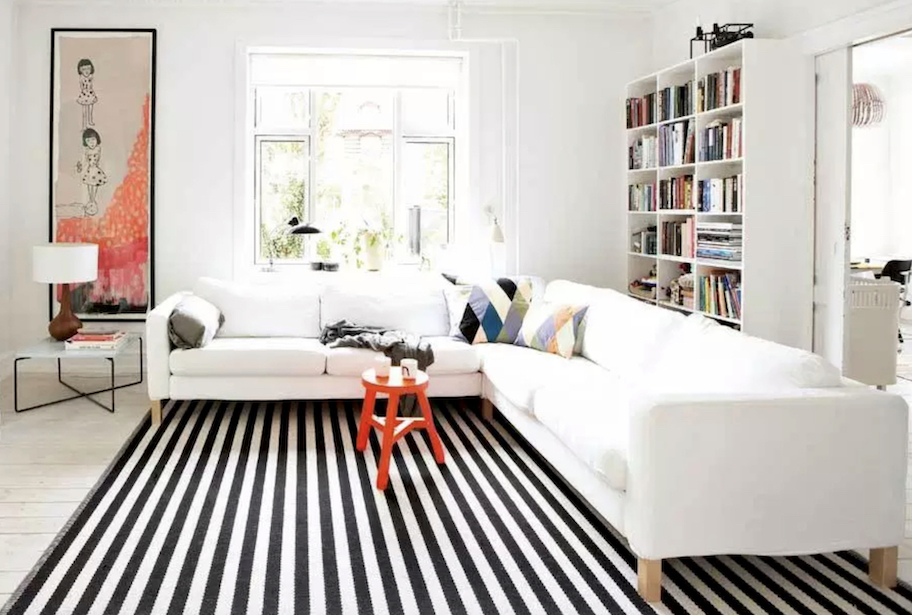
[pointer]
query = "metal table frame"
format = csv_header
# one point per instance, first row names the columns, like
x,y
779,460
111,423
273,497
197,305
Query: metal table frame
x,y
79,394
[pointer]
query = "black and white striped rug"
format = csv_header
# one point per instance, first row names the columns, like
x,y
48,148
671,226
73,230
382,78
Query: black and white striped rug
x,y
236,508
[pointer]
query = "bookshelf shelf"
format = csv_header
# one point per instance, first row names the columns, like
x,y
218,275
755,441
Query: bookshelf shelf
x,y
683,118
641,254
641,129
676,259
732,321
716,264
675,306
719,112
761,89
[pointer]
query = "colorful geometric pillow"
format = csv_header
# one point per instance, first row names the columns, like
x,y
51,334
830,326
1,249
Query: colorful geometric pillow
x,y
553,328
491,311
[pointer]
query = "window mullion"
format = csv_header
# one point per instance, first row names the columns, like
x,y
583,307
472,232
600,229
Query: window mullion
x,y
398,205
313,145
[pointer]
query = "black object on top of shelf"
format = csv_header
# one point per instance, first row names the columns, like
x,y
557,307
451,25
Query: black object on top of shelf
x,y
720,36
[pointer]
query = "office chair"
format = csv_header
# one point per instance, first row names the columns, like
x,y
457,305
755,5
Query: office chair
x,y
899,272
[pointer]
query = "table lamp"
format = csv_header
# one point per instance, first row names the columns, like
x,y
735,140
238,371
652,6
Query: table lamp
x,y
65,263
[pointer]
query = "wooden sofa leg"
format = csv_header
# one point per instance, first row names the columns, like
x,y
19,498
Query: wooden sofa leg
x,y
487,409
883,565
649,579
156,412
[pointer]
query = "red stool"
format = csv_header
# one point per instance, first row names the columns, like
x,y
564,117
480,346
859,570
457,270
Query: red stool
x,y
392,427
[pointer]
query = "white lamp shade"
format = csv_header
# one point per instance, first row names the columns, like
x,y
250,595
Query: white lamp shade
x,y
65,263
497,235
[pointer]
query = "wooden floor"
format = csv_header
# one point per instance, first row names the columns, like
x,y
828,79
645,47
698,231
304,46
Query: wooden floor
x,y
49,460
51,457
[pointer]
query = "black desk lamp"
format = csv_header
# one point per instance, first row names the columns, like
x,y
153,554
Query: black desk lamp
x,y
296,227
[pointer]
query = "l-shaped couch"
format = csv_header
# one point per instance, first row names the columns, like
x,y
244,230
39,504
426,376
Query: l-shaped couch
x,y
689,438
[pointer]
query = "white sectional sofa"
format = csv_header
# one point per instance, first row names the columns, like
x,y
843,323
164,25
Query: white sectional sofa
x,y
687,437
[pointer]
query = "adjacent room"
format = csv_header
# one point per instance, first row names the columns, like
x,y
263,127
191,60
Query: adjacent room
x,y
455,306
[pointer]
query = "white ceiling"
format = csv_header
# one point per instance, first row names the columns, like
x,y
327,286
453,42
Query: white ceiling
x,y
518,5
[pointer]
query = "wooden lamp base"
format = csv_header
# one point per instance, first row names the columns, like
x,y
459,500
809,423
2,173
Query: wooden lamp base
x,y
65,325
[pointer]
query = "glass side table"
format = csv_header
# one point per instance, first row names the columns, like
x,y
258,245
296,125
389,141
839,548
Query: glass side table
x,y
52,349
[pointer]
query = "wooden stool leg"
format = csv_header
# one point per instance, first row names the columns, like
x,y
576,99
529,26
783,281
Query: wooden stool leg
x,y
649,579
882,568
367,412
429,425
386,447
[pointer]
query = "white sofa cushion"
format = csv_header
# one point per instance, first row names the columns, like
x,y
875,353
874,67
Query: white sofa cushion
x,y
263,310
592,419
256,356
519,372
416,305
703,356
621,334
450,357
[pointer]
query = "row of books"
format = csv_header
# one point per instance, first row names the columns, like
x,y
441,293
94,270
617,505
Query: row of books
x,y
721,140
676,101
719,89
644,241
96,340
676,143
642,153
719,240
720,294
677,238
641,111
721,195
676,193
641,197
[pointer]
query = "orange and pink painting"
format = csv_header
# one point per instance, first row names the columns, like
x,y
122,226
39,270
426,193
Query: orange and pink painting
x,y
102,143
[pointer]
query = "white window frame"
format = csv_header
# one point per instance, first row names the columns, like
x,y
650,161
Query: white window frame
x,y
254,134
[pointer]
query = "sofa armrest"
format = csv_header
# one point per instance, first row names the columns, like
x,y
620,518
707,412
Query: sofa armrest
x,y
158,346
808,471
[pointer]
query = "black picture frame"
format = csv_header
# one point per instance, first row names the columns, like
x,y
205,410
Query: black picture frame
x,y
153,34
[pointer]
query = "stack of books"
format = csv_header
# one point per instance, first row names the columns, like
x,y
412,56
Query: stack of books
x,y
675,102
719,89
676,193
644,241
677,238
720,294
719,241
641,111
96,340
642,153
721,140
676,143
721,195
641,197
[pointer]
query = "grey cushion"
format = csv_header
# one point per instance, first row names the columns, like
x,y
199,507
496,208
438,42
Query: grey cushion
x,y
193,323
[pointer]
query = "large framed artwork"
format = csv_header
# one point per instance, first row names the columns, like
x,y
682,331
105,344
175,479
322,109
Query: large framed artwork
x,y
102,161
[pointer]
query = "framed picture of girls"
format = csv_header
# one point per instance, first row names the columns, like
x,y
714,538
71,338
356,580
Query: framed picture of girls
x,y
102,165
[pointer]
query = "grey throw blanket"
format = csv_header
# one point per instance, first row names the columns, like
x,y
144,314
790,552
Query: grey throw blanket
x,y
397,345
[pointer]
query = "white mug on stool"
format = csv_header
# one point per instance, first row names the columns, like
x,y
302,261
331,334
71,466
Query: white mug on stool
x,y
382,367
409,369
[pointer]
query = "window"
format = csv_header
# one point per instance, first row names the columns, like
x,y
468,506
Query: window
x,y
354,145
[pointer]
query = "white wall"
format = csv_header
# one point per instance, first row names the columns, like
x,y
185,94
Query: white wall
x,y
569,128
674,24
6,93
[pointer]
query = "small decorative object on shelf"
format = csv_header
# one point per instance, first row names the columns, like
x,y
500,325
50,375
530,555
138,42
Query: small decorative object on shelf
x,y
681,290
645,287
868,106
720,36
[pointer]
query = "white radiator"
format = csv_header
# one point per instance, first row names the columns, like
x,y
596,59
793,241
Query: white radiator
x,y
872,327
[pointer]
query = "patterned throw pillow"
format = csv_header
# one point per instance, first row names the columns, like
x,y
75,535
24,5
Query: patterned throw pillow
x,y
553,328
491,311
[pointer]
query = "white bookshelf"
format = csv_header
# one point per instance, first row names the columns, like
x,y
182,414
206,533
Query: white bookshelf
x,y
776,268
